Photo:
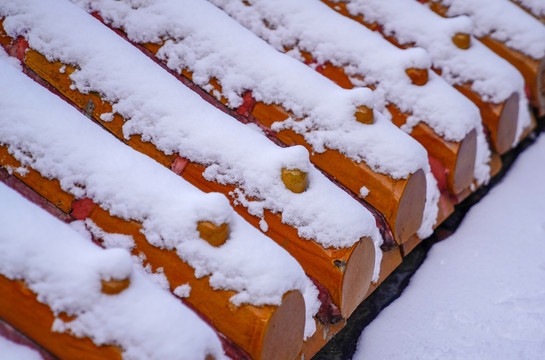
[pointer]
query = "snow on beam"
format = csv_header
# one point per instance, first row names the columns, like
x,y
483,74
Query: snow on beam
x,y
242,162
217,54
436,115
494,85
249,287
51,279
508,31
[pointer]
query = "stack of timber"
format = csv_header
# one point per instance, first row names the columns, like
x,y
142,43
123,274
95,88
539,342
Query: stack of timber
x,y
328,148
461,60
511,33
345,136
243,283
53,277
403,86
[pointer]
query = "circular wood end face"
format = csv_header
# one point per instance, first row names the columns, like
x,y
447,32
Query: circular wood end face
x,y
213,234
410,210
285,330
419,77
462,40
506,131
357,276
364,115
113,286
465,163
295,180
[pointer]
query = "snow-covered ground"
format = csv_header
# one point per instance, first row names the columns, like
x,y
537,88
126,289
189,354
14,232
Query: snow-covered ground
x,y
480,294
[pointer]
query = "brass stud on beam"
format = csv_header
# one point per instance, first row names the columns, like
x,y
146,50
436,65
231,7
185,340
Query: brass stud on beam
x,y
213,234
114,286
295,180
418,77
364,115
462,40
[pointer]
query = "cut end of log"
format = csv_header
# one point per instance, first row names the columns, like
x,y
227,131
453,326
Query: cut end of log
x,y
410,210
505,134
213,234
113,286
285,330
419,77
462,40
364,115
465,163
357,276
295,180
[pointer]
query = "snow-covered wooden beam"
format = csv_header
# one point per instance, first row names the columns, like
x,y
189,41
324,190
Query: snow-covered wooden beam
x,y
232,64
510,32
333,237
353,56
534,7
490,82
51,279
250,288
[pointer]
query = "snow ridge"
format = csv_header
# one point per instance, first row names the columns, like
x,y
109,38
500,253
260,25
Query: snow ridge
x,y
503,21
313,27
201,41
91,163
65,271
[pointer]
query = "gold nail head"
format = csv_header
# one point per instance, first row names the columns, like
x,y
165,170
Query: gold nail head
x,y
418,77
113,286
213,234
462,40
295,180
364,115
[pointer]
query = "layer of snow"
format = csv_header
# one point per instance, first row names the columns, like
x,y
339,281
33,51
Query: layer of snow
x,y
313,27
431,208
176,120
537,7
409,22
13,351
503,21
65,271
48,135
206,41
480,293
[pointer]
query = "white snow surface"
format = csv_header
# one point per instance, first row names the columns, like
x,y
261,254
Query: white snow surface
x,y
65,271
48,135
313,27
14,351
207,42
479,294
410,22
537,7
503,21
176,120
